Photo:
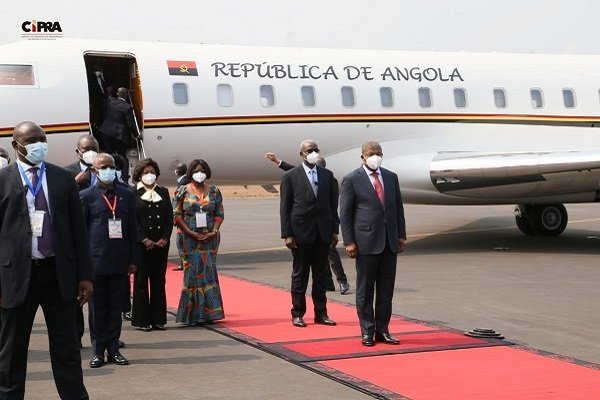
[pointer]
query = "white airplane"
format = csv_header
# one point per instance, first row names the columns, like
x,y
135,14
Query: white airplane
x,y
458,128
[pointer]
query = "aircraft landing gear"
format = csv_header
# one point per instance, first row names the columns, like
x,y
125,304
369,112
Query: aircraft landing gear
x,y
541,219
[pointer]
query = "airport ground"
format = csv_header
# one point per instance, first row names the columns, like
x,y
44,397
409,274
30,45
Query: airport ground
x,y
464,267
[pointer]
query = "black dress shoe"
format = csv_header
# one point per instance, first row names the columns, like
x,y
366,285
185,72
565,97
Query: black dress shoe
x,y
159,327
299,322
386,338
146,328
367,340
96,361
117,358
344,287
127,316
121,344
325,321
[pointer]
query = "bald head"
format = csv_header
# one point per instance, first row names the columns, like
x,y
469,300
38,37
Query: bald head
x,y
103,161
87,142
25,133
122,92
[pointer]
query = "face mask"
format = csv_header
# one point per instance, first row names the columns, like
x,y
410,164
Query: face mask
x,y
36,152
107,176
88,157
374,162
118,175
312,157
98,73
3,162
148,179
199,177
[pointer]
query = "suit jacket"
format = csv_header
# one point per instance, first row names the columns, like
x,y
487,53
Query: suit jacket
x,y
71,248
74,169
304,216
286,166
119,122
155,220
111,256
364,219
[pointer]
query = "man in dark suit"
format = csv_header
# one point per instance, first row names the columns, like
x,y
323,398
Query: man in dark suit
x,y
81,170
44,260
372,219
98,96
309,225
110,214
335,262
118,125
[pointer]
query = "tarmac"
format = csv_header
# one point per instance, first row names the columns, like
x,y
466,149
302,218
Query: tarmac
x,y
465,267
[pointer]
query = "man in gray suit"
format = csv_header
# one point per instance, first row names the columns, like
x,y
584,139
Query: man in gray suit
x,y
372,220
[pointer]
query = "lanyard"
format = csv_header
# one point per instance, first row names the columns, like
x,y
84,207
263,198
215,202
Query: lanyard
x,y
37,189
113,207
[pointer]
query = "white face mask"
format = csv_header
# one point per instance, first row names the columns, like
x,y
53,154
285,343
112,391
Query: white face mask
x,y
88,157
199,177
148,179
3,162
312,157
374,162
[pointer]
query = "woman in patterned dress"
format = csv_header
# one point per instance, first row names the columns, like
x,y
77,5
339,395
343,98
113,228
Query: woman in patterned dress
x,y
198,214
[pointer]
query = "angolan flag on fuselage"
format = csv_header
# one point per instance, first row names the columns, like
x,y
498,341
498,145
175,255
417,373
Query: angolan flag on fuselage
x,y
182,68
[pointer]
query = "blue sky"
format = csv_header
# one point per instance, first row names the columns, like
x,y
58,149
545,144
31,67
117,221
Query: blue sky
x,y
529,26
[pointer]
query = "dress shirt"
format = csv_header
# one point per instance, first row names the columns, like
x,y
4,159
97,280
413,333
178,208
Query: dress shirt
x,y
35,253
372,178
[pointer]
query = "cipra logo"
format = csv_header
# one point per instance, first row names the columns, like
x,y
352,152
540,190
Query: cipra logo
x,y
38,29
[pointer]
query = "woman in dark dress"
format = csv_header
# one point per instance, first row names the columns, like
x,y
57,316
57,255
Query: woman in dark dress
x,y
155,224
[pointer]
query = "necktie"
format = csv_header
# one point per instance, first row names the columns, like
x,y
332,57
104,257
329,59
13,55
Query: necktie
x,y
44,241
378,188
313,181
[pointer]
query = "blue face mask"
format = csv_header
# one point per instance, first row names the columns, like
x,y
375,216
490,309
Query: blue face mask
x,y
36,152
107,175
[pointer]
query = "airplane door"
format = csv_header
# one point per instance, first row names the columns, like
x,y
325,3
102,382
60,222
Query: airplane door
x,y
117,70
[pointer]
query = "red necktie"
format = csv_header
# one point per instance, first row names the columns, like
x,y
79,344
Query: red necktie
x,y
378,188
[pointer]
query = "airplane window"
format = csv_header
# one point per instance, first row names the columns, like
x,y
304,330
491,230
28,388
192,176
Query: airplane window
x,y
308,96
267,97
569,98
348,96
424,97
460,98
500,98
537,100
16,75
387,96
224,95
180,93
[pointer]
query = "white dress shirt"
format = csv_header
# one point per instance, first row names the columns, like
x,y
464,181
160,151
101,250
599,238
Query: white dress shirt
x,y
35,253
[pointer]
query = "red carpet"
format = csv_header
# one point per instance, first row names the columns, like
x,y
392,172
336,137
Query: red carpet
x,y
432,362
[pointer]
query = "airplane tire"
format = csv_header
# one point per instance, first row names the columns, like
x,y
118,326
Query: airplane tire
x,y
522,220
548,219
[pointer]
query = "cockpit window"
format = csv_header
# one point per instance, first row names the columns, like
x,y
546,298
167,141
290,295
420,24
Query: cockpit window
x,y
13,75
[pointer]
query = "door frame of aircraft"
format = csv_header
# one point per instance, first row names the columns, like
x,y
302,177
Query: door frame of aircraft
x,y
120,69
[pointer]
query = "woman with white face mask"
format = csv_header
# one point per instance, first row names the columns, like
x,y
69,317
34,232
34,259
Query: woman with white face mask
x,y
198,210
155,224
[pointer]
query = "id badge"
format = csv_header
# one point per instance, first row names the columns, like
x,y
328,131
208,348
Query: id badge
x,y
201,220
115,230
37,222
